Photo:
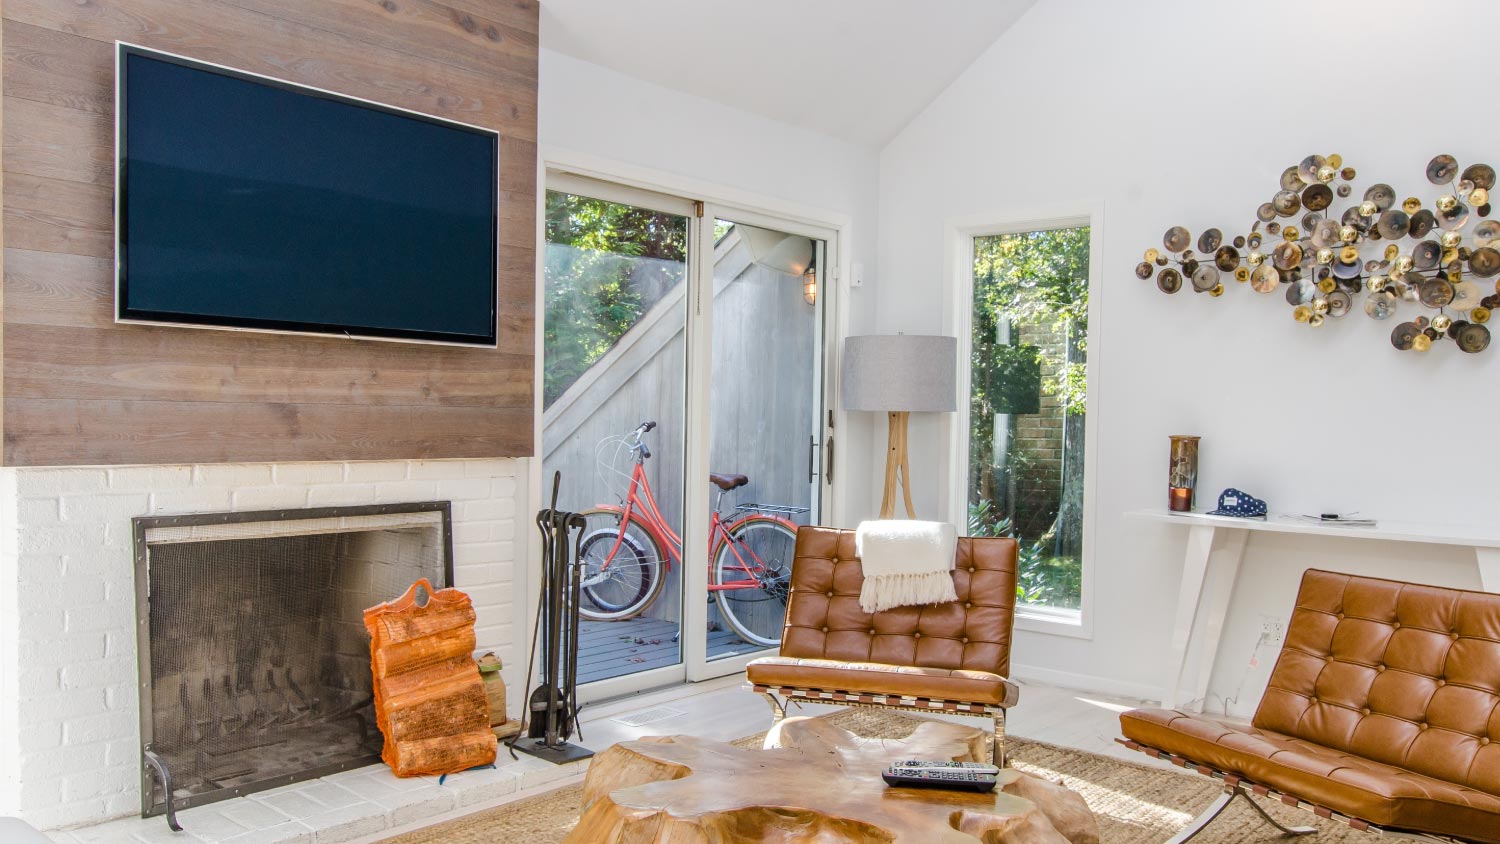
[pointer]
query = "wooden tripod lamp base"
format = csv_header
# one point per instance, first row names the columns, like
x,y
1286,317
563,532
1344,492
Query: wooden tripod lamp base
x,y
900,374
897,464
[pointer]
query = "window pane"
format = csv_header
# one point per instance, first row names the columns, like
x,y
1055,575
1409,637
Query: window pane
x,y
1030,336
614,341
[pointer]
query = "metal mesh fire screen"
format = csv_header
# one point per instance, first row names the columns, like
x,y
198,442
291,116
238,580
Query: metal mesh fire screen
x,y
255,663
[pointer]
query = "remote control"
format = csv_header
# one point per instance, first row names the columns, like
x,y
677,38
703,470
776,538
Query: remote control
x,y
981,767
957,779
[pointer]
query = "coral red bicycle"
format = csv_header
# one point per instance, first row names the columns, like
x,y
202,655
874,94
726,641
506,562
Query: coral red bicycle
x,y
627,548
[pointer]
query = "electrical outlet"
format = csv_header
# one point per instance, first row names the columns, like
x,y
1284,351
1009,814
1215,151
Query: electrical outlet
x,y
1273,628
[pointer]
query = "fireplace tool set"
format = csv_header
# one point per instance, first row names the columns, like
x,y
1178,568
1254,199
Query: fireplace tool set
x,y
552,708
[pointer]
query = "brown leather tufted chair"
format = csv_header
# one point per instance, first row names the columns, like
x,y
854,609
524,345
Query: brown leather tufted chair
x,y
942,658
1383,712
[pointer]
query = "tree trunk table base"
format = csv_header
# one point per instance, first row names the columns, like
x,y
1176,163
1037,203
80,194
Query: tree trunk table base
x,y
818,784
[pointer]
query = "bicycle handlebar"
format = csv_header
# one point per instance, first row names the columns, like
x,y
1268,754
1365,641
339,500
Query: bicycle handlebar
x,y
645,427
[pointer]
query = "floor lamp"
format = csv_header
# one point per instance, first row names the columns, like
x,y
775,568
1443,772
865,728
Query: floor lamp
x,y
900,375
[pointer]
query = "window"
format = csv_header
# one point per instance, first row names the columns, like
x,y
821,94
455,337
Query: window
x,y
1028,341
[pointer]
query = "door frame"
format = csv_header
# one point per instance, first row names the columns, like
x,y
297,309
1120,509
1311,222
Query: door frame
x,y
560,167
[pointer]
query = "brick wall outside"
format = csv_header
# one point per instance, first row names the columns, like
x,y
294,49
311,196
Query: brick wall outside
x,y
1038,440
69,734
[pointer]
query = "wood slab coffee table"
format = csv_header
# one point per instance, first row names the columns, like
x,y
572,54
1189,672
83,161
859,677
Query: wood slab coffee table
x,y
814,782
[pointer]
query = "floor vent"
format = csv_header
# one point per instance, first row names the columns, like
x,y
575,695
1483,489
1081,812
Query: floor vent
x,y
648,716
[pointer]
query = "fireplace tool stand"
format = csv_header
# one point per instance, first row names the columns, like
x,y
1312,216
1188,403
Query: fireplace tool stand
x,y
552,708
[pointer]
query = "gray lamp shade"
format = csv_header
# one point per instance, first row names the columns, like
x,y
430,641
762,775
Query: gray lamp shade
x,y
902,372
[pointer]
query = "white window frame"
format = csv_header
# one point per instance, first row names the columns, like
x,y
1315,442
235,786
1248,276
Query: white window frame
x,y
958,271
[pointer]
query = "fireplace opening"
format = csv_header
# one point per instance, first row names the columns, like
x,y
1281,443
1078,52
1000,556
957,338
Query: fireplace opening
x,y
254,659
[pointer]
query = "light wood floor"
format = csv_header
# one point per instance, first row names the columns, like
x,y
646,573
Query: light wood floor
x,y
726,709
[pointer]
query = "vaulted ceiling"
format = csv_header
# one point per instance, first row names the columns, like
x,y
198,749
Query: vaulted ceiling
x,y
854,69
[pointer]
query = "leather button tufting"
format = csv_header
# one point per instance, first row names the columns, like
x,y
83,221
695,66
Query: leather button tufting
x,y
1365,711
966,640
1396,625
825,629
916,635
830,594
1484,741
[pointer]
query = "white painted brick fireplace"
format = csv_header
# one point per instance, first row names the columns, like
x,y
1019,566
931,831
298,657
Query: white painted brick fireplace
x,y
69,723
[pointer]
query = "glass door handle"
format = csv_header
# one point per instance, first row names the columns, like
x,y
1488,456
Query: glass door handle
x,y
828,454
812,457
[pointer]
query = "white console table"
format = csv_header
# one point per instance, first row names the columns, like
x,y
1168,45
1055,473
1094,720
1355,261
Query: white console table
x,y
1231,533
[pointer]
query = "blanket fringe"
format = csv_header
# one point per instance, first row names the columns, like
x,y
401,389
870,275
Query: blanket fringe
x,y
883,592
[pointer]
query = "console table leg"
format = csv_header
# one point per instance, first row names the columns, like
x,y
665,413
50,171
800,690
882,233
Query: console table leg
x,y
1226,561
1200,543
1489,568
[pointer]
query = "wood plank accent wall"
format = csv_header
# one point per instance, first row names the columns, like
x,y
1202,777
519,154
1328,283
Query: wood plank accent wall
x,y
78,389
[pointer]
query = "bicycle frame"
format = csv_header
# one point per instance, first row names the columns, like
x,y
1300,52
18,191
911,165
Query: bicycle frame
x,y
640,506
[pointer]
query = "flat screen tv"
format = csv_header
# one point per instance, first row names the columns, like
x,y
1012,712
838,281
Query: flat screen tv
x,y
247,202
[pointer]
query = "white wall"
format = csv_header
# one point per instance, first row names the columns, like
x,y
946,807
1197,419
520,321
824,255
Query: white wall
x,y
1185,113
644,130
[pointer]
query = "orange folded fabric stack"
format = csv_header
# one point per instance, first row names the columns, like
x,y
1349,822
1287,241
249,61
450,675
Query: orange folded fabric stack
x,y
429,699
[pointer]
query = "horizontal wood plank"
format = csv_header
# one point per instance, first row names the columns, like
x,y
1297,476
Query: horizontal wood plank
x,y
55,215
428,30
133,432
178,364
54,142
214,31
58,68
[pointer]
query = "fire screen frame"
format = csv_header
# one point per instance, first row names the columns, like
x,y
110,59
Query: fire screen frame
x,y
150,807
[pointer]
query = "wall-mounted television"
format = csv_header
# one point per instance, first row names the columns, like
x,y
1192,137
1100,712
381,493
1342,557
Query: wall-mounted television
x,y
247,202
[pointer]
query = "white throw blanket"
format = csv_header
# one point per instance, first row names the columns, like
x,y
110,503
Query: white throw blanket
x,y
905,563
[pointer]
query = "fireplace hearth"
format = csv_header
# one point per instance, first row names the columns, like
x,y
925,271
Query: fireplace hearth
x,y
254,660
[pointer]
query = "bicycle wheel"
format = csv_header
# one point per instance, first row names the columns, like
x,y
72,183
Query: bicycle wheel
x,y
625,585
755,560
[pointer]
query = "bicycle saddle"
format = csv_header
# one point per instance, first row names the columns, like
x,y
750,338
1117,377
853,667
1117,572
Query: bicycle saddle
x,y
727,482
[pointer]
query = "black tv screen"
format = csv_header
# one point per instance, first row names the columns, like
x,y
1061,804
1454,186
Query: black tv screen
x,y
248,202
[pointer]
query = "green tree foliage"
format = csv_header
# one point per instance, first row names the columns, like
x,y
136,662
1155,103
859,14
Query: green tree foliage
x,y
606,265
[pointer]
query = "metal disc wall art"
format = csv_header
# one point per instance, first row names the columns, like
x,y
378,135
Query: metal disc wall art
x,y
1392,251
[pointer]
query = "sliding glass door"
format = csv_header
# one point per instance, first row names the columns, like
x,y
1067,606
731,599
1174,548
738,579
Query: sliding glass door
x,y
614,370
765,431
683,406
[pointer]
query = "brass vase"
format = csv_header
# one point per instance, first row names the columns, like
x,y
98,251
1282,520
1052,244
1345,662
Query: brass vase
x,y
1182,473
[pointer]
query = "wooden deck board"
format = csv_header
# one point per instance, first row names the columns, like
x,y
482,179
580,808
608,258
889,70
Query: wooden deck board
x,y
609,648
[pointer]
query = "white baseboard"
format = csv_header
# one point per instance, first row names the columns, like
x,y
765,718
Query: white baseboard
x,y
1087,682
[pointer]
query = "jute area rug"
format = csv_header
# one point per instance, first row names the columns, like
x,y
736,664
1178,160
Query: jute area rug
x,y
1135,804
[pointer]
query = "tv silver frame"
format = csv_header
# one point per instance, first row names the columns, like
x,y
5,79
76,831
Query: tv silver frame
x,y
120,50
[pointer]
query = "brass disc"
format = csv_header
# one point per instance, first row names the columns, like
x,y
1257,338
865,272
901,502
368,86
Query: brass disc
x,y
1435,293
1485,261
1472,338
1422,222
1210,240
1317,197
1287,255
1286,203
1382,195
1403,335
1393,224
1176,239
1143,270
1169,280
1265,279
1227,258
1482,176
1441,169
1205,278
